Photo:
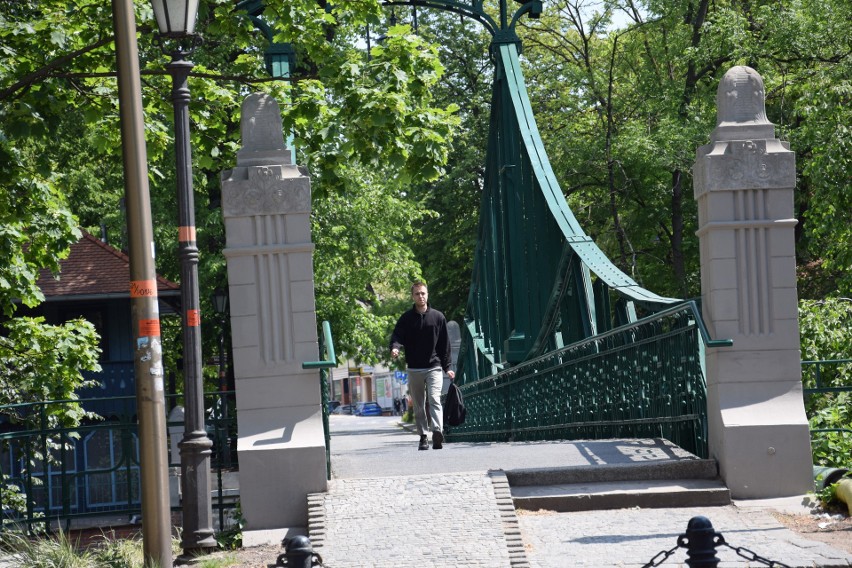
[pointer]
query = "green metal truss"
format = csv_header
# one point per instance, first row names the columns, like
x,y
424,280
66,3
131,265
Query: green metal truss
x,y
553,345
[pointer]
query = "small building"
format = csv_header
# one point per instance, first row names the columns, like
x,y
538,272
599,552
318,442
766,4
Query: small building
x,y
94,283
102,473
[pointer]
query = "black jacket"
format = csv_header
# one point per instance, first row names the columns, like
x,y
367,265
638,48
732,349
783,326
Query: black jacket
x,y
424,339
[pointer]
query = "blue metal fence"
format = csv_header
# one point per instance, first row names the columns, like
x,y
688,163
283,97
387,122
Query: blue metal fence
x,y
93,469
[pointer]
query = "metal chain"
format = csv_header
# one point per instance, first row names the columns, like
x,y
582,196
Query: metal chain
x,y
719,540
662,556
316,560
749,555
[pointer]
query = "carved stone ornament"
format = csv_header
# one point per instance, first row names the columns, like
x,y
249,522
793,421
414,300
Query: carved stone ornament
x,y
262,133
264,181
265,191
744,164
740,97
741,107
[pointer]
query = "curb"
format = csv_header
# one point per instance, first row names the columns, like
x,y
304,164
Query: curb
x,y
511,527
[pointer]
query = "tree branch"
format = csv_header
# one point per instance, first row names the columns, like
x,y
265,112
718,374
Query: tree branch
x,y
44,72
215,77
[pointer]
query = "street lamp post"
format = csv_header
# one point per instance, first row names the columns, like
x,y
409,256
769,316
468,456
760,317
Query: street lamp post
x,y
176,21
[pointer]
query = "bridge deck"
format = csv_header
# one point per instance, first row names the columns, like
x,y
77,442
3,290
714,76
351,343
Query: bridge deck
x,y
390,505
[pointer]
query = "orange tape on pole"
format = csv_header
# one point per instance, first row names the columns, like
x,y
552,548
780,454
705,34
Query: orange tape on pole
x,y
186,234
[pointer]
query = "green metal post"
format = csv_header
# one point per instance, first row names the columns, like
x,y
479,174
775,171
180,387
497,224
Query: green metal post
x,y
326,344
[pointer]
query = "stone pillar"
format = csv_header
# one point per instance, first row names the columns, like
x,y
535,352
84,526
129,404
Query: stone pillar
x,y
266,203
744,181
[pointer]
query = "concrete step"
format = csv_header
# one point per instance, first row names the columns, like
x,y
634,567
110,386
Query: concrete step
x,y
648,494
668,469
679,483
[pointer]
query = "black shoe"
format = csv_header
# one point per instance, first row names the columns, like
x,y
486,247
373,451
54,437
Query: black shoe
x,y
437,440
424,442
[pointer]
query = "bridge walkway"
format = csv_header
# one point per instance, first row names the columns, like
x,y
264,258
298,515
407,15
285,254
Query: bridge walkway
x,y
390,505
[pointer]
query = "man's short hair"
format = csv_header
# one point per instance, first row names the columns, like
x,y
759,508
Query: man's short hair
x,y
418,284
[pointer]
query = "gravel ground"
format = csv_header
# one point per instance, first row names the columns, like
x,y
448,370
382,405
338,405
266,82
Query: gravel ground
x,y
834,529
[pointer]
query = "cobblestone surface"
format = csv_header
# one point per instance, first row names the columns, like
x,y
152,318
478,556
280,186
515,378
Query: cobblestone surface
x,y
632,537
390,505
410,521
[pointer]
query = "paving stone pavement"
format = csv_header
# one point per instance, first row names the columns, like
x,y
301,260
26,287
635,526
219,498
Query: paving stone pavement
x,y
415,521
390,506
632,537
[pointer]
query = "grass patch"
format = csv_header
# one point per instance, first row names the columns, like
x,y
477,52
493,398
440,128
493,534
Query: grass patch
x,y
60,551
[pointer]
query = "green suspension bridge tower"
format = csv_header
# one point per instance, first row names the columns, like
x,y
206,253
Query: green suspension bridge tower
x,y
558,342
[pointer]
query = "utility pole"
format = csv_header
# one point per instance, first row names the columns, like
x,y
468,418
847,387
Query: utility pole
x,y
145,315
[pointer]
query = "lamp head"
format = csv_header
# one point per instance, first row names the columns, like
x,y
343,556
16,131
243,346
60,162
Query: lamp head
x,y
175,18
220,301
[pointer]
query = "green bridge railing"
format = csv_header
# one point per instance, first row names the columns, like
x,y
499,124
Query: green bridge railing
x,y
326,346
644,380
559,342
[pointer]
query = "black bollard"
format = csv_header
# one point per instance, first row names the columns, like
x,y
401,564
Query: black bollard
x,y
298,552
700,543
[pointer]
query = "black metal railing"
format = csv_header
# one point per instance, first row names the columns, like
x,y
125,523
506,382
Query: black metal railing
x,y
92,470
828,404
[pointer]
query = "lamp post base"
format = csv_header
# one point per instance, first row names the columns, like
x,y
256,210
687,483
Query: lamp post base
x,y
195,452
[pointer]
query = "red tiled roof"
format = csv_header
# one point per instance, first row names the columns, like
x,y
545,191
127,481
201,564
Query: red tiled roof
x,y
94,268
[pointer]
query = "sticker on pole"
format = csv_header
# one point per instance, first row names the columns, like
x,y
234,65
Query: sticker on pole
x,y
149,328
143,288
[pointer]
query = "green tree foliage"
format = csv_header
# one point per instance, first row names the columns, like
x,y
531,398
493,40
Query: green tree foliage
x,y
43,362
815,100
622,108
362,271
38,361
825,338
445,240
362,123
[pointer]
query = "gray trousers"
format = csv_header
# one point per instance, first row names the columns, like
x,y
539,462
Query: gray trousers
x,y
423,385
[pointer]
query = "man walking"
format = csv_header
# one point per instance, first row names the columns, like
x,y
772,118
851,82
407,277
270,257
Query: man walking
x,y
422,333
